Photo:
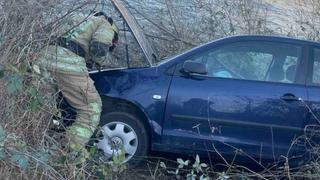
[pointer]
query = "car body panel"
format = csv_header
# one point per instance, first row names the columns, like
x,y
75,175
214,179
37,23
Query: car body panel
x,y
235,113
138,86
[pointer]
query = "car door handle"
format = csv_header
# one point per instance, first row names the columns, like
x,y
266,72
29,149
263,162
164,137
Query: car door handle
x,y
290,97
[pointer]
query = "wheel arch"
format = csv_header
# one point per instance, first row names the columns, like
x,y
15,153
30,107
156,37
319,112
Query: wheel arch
x,y
113,104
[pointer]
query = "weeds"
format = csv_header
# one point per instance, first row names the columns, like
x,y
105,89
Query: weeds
x,y
197,170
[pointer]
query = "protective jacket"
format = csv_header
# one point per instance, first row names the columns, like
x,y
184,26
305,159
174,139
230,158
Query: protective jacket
x,y
81,38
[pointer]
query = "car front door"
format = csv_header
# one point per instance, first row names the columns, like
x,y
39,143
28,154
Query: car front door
x,y
249,100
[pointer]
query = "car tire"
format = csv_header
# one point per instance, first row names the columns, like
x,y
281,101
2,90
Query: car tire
x,y
112,123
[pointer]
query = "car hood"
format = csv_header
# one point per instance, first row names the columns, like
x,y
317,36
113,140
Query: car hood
x,y
137,32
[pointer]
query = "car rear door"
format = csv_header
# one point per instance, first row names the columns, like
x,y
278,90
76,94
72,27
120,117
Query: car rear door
x,y
249,100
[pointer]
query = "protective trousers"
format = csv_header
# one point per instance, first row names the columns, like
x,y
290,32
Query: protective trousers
x,y
70,73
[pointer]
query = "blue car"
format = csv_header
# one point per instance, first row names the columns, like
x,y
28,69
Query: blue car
x,y
256,94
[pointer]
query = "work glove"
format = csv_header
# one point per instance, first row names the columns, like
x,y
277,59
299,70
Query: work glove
x,y
104,61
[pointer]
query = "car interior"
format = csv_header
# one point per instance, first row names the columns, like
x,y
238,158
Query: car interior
x,y
283,69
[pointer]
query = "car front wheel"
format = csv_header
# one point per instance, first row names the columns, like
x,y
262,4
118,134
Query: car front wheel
x,y
123,134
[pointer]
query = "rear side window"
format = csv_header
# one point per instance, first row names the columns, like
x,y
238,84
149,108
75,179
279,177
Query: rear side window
x,y
316,67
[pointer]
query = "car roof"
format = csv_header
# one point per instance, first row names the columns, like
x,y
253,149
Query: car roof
x,y
253,38
269,38
242,38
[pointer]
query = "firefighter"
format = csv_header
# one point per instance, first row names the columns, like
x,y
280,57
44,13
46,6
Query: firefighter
x,y
64,61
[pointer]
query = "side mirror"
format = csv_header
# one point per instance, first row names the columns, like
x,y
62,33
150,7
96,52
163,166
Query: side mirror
x,y
191,67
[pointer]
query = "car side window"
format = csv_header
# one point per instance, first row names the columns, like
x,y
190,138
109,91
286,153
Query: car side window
x,y
259,61
239,64
316,67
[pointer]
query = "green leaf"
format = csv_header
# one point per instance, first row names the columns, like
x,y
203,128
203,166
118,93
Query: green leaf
x,y
13,68
203,165
1,71
15,84
186,163
203,177
32,91
99,174
20,160
34,105
2,138
180,161
37,99
119,157
2,154
163,165
197,159
2,134
177,171
223,176
19,144
43,156
93,151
